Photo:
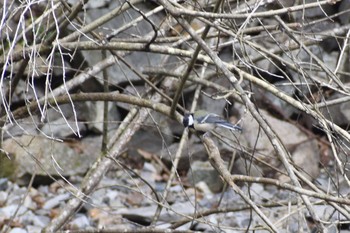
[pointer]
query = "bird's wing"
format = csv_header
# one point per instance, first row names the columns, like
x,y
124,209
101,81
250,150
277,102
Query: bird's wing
x,y
211,118
230,126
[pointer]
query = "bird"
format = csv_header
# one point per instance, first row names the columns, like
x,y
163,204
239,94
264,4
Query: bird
x,y
202,121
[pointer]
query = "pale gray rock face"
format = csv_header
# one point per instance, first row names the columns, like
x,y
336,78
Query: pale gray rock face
x,y
53,157
345,17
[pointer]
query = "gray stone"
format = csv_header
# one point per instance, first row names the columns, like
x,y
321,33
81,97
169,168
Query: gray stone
x,y
56,201
43,156
62,128
344,6
33,229
18,230
3,183
95,116
8,211
120,73
307,156
204,171
80,222
3,197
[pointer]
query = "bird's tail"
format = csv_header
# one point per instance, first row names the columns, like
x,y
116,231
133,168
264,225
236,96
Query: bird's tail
x,y
229,126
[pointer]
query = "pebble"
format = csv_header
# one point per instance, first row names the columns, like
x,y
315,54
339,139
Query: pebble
x,y
79,222
3,197
18,230
54,202
10,210
111,206
3,184
33,229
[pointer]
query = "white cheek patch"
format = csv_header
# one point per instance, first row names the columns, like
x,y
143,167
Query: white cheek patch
x,y
190,120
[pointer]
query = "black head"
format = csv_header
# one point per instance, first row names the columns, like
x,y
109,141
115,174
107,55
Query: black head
x,y
188,120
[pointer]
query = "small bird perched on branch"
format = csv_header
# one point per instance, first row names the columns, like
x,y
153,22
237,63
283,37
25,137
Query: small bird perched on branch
x,y
203,121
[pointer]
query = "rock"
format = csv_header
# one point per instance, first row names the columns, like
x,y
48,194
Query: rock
x,y
148,141
17,194
34,219
194,149
256,189
307,156
9,210
18,230
269,101
29,203
80,222
344,6
204,188
160,123
56,201
271,70
149,173
211,104
280,4
113,199
57,126
99,198
3,197
146,214
92,4
184,208
204,172
315,12
60,128
95,116
102,219
289,134
33,229
3,184
32,152
246,166
27,125
343,156
133,90
142,214
345,112
120,73
329,44
339,114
